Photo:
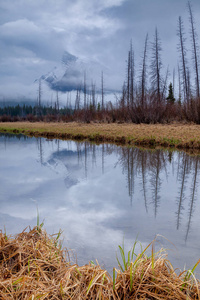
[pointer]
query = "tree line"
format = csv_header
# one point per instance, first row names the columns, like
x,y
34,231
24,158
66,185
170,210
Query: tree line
x,y
148,97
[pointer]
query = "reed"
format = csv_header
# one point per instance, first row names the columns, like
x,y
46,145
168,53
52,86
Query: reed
x,y
33,265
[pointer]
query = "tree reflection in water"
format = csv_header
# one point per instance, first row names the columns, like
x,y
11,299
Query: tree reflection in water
x,y
143,169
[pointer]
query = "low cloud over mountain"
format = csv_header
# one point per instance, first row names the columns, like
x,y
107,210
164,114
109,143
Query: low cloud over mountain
x,y
70,74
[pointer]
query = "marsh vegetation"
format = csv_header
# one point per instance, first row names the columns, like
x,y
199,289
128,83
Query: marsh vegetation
x,y
33,265
182,136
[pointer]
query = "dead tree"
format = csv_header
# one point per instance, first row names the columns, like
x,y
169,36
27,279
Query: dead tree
x,y
195,47
144,73
39,98
130,78
128,82
179,85
78,98
189,84
132,73
39,92
85,104
57,103
85,91
156,65
174,74
93,95
165,84
102,91
182,50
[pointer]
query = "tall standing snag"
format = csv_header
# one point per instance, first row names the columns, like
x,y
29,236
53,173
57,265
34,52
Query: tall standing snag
x,y
102,91
194,46
130,79
183,58
144,73
156,65
132,74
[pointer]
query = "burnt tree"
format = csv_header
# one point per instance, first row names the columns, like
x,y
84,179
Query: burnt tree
x,y
156,65
182,50
144,73
194,46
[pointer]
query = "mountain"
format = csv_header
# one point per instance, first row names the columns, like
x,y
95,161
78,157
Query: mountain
x,y
70,73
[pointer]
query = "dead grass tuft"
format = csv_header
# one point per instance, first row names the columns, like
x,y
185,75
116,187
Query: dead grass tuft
x,y
34,266
159,280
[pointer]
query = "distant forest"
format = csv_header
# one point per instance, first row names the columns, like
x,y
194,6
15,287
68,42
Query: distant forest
x,y
145,98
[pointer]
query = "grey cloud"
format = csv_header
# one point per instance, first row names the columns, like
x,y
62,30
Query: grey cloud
x,y
35,34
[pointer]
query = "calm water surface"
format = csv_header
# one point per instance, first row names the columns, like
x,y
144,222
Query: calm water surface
x,y
100,195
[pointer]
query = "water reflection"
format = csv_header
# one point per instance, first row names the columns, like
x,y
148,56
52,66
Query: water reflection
x,y
101,193
140,163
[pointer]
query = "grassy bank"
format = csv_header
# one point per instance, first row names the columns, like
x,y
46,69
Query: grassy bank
x,y
182,136
34,266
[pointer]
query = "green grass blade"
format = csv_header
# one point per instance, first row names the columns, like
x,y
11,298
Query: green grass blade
x,y
189,273
78,272
113,279
119,264
18,280
142,253
152,257
123,256
90,284
133,250
104,275
193,269
129,259
38,220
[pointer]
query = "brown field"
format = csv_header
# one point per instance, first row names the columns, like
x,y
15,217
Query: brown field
x,y
34,266
183,136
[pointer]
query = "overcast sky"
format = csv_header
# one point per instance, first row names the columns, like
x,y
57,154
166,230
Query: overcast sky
x,y
34,34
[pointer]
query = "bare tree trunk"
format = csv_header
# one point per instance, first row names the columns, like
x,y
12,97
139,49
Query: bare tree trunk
x,y
132,71
165,84
189,84
39,99
144,75
85,91
85,97
156,67
183,57
93,92
102,91
174,74
195,48
77,102
39,92
128,81
179,84
58,104
157,64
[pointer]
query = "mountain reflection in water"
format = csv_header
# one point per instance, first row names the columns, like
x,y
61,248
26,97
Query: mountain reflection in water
x,y
102,194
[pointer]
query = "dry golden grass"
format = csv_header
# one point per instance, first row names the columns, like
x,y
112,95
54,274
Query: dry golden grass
x,y
170,135
33,266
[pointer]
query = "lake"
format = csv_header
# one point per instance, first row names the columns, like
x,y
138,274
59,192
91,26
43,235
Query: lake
x,y
102,195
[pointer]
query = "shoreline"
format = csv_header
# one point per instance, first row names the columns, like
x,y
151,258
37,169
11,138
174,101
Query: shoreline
x,y
177,135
